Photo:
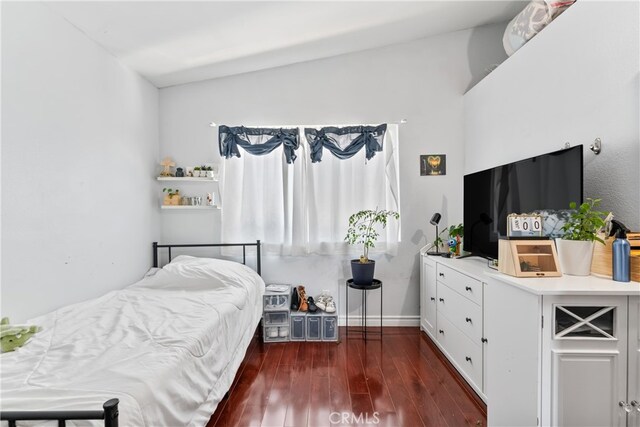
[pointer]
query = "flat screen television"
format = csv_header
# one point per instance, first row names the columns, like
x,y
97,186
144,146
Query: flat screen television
x,y
548,181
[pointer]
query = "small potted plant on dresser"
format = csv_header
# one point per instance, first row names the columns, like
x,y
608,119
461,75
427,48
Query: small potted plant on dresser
x,y
362,231
172,198
575,248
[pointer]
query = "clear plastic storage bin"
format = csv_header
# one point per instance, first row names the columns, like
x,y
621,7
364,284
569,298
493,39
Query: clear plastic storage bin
x,y
276,318
330,327
298,326
314,327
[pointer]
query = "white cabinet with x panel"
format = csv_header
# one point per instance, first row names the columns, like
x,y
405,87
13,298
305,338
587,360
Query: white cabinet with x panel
x,y
562,351
584,361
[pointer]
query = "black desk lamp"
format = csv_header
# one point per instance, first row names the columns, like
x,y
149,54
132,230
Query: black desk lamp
x,y
435,219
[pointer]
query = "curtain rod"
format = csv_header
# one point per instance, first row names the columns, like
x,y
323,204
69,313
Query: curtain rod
x,y
401,122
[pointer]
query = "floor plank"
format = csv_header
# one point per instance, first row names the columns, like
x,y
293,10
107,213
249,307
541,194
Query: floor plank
x,y
399,380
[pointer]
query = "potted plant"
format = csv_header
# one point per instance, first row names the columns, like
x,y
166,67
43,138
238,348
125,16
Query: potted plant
x,y
196,172
362,231
575,248
172,197
209,172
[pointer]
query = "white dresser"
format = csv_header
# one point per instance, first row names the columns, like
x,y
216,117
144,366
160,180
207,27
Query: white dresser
x,y
452,313
549,351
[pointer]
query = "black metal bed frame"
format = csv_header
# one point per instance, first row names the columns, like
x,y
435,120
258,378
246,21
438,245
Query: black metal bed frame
x,y
110,408
109,414
257,244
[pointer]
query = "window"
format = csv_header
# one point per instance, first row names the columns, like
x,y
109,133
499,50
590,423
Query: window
x,y
303,207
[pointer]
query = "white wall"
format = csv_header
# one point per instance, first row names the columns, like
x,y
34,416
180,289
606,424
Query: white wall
x,y
421,81
575,81
79,153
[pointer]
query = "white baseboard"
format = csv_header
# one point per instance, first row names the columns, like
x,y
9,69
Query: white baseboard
x,y
386,321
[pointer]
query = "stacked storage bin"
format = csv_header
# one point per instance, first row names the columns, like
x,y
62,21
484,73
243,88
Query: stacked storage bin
x,y
280,324
275,319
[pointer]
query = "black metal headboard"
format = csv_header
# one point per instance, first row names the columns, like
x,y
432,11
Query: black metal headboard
x,y
157,246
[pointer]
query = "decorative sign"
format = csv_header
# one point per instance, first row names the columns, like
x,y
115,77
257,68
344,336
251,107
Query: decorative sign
x,y
433,164
525,225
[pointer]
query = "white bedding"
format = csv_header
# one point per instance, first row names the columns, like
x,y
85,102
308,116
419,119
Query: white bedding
x,y
167,346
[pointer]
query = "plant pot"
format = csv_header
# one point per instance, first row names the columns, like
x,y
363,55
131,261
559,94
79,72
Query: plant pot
x,y
175,200
575,256
362,272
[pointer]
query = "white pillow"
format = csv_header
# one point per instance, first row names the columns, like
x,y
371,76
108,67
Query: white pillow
x,y
192,273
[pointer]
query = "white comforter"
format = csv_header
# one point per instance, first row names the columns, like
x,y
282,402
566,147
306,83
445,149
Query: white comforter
x,y
168,347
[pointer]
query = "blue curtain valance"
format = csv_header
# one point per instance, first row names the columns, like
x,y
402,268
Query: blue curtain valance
x,y
353,138
257,141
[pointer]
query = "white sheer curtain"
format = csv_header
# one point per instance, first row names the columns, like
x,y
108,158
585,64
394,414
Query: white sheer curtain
x,y
304,207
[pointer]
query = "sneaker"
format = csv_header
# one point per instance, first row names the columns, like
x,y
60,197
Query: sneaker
x,y
312,306
321,302
330,305
272,332
283,332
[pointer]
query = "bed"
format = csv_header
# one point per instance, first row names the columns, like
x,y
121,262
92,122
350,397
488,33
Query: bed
x,y
167,347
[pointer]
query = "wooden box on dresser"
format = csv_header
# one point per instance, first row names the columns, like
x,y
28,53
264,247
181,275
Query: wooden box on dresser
x,y
554,351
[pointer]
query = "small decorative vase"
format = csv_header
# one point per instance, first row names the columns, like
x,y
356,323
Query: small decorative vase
x,y
362,272
575,256
175,200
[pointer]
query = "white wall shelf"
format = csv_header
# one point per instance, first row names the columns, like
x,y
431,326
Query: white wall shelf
x,y
185,179
189,207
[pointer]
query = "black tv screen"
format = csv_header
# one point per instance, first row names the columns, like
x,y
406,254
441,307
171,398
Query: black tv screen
x,y
549,181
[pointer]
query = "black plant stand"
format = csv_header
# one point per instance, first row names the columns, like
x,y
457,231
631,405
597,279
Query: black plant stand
x,y
376,284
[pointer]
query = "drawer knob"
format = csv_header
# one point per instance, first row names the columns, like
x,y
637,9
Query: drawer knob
x,y
441,274
468,319
433,298
441,331
468,288
484,340
441,299
468,359
624,405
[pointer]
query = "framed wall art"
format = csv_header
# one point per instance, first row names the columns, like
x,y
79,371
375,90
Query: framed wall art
x,y
433,164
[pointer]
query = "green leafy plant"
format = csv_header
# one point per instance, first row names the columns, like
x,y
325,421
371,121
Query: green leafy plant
x,y
171,192
197,168
362,229
584,222
209,168
453,231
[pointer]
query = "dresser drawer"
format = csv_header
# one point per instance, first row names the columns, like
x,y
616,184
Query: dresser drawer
x,y
463,313
466,354
461,283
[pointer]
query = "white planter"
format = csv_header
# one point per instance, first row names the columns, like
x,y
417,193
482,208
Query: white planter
x,y
575,256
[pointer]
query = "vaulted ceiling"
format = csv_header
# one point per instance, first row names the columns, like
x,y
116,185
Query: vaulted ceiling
x,y
178,42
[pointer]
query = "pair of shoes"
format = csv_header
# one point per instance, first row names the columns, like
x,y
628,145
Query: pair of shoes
x,y
272,332
283,331
325,302
302,298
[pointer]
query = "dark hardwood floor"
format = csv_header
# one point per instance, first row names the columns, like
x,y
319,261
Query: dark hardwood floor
x,y
401,380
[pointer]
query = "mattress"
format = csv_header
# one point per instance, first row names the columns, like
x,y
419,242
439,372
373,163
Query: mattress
x,y
167,346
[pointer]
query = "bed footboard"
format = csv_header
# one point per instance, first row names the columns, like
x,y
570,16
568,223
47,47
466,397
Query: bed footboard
x,y
109,414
